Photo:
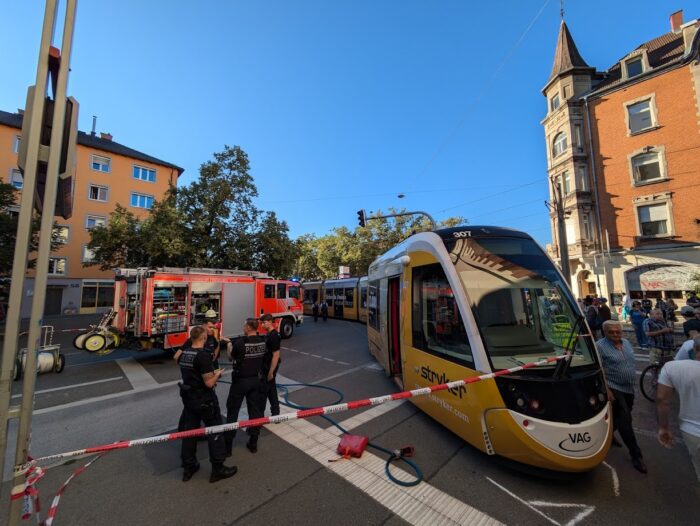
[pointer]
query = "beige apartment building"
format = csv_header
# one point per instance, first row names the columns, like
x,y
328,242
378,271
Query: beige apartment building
x,y
623,146
107,173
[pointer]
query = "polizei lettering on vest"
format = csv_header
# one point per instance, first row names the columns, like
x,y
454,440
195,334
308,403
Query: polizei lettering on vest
x,y
441,378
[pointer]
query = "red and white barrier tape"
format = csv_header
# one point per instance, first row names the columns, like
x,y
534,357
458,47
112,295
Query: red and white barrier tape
x,y
57,498
256,422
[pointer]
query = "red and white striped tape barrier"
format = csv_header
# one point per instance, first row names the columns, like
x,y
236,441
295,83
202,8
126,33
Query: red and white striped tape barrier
x,y
57,498
256,422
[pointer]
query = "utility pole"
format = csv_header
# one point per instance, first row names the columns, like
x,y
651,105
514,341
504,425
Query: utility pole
x,y
558,207
56,157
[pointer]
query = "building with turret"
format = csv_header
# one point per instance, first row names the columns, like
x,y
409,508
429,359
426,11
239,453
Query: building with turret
x,y
622,152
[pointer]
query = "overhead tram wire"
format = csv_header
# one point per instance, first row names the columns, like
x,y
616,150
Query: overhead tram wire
x,y
485,88
529,183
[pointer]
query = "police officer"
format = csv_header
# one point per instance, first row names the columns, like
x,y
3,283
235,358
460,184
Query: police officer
x,y
212,345
272,361
200,405
247,382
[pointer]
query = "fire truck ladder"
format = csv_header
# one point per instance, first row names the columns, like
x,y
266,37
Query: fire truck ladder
x,y
138,310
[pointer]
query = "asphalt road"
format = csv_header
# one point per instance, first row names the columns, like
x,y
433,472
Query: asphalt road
x,y
128,395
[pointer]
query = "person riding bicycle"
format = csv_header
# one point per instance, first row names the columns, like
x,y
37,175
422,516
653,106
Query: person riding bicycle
x,y
659,334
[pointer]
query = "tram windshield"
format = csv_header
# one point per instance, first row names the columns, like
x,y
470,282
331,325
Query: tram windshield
x,y
520,303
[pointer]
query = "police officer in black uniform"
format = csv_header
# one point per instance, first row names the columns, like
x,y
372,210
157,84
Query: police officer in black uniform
x,y
272,361
247,382
200,405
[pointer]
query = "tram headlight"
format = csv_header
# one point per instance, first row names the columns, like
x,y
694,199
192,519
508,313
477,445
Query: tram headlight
x,y
535,405
520,402
593,401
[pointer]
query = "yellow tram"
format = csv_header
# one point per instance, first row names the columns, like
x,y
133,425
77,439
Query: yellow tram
x,y
460,302
346,298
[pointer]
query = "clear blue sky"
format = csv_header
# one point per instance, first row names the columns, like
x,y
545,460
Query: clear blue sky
x,y
340,105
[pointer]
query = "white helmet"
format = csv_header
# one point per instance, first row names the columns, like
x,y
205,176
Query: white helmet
x,y
210,314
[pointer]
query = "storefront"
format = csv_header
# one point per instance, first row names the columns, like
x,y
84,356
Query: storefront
x,y
661,281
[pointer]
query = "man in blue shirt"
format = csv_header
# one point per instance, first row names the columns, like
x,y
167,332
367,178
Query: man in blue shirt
x,y
619,364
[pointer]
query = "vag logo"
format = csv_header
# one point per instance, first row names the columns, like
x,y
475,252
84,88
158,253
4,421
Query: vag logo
x,y
576,442
434,378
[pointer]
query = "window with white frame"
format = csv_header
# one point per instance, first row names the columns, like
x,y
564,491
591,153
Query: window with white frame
x,y
560,144
144,174
101,164
98,193
634,67
61,234
565,183
570,230
581,179
555,102
15,143
640,116
647,167
141,200
93,221
88,255
653,220
16,178
578,136
586,226
57,266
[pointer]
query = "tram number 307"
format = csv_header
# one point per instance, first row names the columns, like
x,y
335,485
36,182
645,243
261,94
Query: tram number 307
x,y
462,233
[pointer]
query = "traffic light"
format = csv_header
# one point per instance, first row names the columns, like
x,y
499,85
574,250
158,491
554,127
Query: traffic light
x,y
361,219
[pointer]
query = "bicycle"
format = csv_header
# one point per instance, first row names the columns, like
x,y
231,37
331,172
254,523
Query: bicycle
x,y
650,375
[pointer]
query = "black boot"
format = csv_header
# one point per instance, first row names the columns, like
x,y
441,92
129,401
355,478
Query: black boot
x,y
189,472
252,444
221,472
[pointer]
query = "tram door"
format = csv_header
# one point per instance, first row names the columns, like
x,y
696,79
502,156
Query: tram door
x,y
394,329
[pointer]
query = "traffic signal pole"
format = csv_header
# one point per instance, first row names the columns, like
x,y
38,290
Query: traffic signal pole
x,y
45,233
24,230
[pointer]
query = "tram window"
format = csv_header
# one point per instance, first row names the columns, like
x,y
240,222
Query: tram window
x,y
373,305
363,297
269,291
294,292
281,290
329,297
310,296
437,323
349,297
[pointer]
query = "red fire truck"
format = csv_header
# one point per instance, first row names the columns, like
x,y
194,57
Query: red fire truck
x,y
157,307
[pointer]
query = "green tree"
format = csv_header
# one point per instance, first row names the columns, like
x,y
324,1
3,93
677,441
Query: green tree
x,y
119,243
218,213
274,252
307,257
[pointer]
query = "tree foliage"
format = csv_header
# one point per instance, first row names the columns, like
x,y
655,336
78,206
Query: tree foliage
x,y
319,258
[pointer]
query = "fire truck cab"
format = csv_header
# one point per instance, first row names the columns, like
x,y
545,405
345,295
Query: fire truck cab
x,y
157,307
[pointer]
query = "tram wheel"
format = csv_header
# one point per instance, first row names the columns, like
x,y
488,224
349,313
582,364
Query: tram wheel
x,y
94,342
60,363
286,329
79,341
648,381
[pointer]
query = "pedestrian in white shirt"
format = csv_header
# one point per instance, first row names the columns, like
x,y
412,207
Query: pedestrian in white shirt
x,y
684,377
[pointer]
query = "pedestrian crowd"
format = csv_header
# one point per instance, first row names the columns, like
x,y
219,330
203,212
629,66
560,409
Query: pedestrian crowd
x,y
681,375
255,361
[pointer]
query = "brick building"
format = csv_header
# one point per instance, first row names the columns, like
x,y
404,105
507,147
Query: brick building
x,y
623,148
107,173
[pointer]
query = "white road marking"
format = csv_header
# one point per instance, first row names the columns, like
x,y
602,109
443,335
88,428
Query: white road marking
x,y
586,510
366,416
53,389
136,373
316,356
329,360
615,479
421,505
343,363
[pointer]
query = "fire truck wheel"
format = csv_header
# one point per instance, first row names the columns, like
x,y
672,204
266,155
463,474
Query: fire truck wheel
x,y
79,341
60,363
286,328
94,342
